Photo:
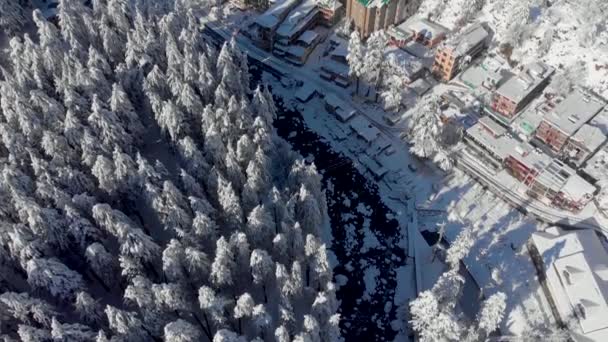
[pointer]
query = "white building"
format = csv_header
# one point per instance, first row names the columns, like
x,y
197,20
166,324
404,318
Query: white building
x,y
576,277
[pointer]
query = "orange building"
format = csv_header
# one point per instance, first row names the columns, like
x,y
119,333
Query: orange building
x,y
451,56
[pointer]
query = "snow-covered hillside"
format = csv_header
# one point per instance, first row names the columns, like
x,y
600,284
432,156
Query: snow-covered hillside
x,y
568,34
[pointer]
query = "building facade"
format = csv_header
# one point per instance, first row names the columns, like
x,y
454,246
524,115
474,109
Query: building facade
x,y
372,15
546,179
331,12
567,118
513,95
453,54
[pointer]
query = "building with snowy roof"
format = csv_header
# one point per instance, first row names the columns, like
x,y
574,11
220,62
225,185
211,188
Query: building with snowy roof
x,y
423,31
299,20
575,268
342,110
586,141
335,68
567,118
458,51
373,15
364,129
548,180
331,11
514,94
265,25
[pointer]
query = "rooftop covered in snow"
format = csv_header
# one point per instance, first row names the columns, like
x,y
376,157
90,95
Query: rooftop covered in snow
x,y
528,80
364,129
574,111
416,25
591,137
299,16
469,39
576,266
273,16
307,37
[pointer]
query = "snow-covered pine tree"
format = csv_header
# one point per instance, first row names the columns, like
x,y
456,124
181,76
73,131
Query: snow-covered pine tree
x,y
356,57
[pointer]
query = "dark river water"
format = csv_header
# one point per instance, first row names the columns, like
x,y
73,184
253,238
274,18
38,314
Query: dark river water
x,y
365,317
362,319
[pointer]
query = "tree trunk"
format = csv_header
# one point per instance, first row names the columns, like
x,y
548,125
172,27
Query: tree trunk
x,y
265,295
358,78
307,275
207,330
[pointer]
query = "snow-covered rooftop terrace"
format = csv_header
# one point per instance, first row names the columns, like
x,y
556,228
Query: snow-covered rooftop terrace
x,y
297,17
574,111
576,266
518,87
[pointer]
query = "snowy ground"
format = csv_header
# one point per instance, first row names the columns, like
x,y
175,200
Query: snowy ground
x,y
502,231
499,260
568,34
493,262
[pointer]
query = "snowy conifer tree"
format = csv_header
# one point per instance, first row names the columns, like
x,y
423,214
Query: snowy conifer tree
x,y
356,57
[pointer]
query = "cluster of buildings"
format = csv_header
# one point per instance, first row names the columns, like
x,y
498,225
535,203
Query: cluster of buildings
x,y
542,147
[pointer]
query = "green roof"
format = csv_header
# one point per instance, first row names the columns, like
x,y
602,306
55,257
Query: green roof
x,y
368,2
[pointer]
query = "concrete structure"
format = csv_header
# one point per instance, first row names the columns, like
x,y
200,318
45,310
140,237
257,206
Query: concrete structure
x,y
546,179
587,141
265,25
488,73
372,15
420,30
343,111
364,129
514,94
298,52
583,144
335,68
574,272
331,12
567,118
452,55
299,20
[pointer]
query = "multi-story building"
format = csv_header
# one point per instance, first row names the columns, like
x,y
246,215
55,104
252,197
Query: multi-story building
x,y
263,29
587,140
299,20
514,94
452,55
331,12
546,179
567,118
372,15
